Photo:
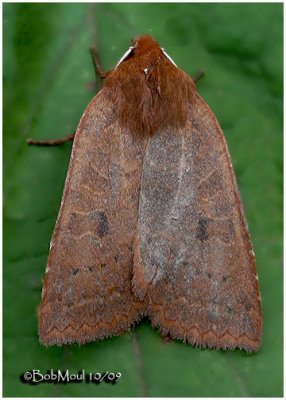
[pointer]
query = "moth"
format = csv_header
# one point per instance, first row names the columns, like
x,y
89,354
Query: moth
x,y
151,222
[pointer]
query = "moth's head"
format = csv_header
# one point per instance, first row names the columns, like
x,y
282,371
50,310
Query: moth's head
x,y
144,44
144,48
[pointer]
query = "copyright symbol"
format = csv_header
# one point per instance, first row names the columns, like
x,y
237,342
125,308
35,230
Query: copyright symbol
x,y
27,376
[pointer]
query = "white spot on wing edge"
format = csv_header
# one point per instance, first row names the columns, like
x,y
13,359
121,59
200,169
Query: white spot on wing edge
x,y
125,55
169,58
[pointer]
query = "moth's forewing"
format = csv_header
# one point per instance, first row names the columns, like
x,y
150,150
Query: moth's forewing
x,y
193,258
87,289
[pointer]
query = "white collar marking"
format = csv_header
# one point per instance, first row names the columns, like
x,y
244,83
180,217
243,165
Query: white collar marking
x,y
169,58
125,55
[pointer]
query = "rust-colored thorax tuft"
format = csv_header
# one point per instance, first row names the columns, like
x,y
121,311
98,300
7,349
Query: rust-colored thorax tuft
x,y
149,92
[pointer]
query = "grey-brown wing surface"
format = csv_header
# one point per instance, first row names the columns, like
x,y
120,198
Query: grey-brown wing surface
x,y
193,256
87,289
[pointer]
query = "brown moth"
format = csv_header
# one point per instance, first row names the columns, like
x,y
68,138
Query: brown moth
x,y
151,222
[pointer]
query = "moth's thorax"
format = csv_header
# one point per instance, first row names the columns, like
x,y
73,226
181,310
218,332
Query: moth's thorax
x,y
149,92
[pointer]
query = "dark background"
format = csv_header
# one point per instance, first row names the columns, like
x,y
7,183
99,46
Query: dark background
x,y
47,85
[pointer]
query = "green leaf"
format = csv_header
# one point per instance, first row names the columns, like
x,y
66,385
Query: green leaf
x,y
47,75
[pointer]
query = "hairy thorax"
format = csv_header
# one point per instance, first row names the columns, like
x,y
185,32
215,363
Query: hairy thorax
x,y
148,91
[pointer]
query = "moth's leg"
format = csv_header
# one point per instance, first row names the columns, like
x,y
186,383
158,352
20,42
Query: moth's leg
x,y
96,62
99,71
198,76
50,142
166,339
